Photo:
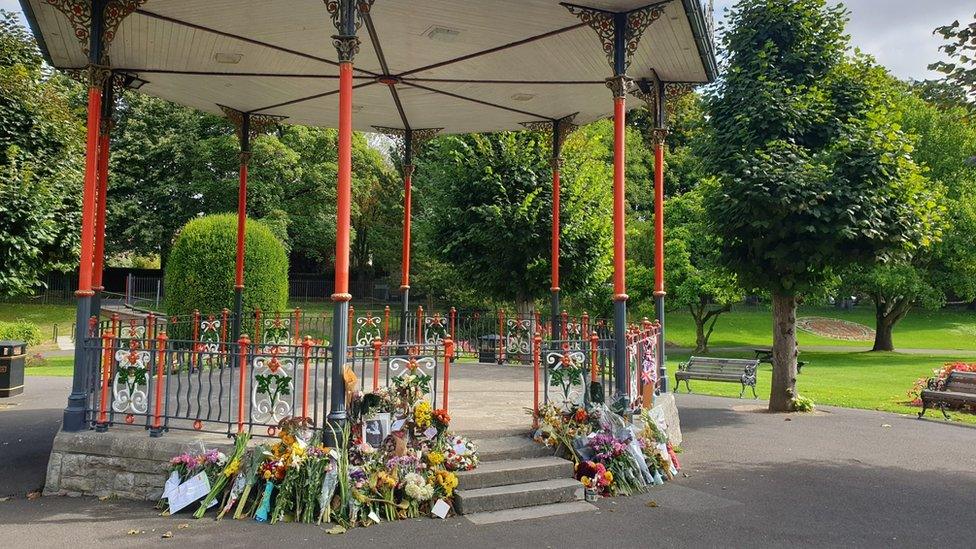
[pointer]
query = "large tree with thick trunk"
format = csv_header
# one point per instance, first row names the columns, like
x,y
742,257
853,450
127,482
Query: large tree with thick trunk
x,y
813,173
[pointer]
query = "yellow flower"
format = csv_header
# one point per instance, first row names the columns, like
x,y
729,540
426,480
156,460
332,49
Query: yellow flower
x,y
232,467
422,414
448,481
435,458
585,481
609,476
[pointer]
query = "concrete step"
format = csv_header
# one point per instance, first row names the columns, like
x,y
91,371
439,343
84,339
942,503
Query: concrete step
x,y
524,513
528,494
515,471
510,447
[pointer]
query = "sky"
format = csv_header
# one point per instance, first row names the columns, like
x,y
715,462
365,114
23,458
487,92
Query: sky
x,y
898,33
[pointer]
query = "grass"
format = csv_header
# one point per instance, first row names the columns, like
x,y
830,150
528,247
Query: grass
x,y
867,380
921,329
46,316
56,366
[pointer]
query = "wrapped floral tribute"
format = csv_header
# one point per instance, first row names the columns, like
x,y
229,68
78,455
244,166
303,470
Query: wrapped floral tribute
x,y
612,457
296,478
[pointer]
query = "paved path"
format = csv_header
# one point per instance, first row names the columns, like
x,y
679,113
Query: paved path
x,y
837,478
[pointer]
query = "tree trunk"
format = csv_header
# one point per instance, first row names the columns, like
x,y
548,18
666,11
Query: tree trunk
x,y
783,389
882,335
525,309
701,342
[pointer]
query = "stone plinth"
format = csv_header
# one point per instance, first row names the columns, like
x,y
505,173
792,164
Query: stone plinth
x,y
665,409
123,463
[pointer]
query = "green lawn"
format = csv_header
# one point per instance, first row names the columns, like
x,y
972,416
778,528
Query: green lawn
x,y
872,381
44,315
56,366
921,329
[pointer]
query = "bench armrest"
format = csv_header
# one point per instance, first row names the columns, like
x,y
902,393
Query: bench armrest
x,y
936,384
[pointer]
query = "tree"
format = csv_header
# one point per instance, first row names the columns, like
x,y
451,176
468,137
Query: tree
x,y
813,173
943,140
484,213
694,277
960,70
40,164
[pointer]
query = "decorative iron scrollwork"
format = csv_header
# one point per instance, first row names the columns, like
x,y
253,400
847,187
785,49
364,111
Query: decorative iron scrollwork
x,y
346,45
257,124
603,23
418,137
79,14
562,126
619,85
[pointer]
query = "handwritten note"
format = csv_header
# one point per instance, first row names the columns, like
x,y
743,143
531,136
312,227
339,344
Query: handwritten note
x,y
193,489
440,508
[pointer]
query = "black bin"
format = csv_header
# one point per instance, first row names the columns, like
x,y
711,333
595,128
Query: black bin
x,y
12,355
488,349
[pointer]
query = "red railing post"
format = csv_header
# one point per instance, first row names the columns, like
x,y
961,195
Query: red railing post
x,y
386,323
115,324
536,359
106,377
564,326
584,325
448,357
453,322
242,345
350,325
150,326
306,353
377,345
196,339
160,369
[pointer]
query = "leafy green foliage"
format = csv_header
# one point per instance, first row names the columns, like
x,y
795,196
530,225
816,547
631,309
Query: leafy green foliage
x,y
200,272
486,212
960,70
694,277
40,165
21,330
814,173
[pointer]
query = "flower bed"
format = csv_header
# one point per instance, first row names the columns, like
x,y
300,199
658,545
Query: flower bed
x,y
939,374
407,471
611,456
835,328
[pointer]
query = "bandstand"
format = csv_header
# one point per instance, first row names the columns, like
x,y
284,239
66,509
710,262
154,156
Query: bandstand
x,y
408,69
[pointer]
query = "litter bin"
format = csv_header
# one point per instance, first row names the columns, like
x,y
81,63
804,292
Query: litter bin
x,y
488,349
12,354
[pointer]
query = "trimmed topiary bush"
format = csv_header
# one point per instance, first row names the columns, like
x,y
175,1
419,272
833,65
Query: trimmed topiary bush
x,y
200,269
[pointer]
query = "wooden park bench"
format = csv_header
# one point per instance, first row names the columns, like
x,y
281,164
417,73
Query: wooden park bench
x,y
733,370
956,390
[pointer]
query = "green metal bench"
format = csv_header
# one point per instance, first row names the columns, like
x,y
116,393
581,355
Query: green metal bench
x,y
731,370
959,389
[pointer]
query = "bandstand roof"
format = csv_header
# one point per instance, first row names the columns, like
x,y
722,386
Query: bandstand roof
x,y
460,65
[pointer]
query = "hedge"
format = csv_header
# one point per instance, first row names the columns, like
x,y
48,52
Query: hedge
x,y
20,330
200,269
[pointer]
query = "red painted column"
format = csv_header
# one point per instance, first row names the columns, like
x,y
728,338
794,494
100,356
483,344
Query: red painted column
x,y
100,213
88,199
241,222
659,217
344,192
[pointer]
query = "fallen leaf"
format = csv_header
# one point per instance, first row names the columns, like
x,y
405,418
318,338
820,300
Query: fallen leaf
x,y
184,525
788,419
5,498
337,529
885,425
651,503
103,498
34,495
133,532
167,535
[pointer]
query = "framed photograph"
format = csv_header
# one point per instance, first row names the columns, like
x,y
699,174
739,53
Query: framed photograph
x,y
376,428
